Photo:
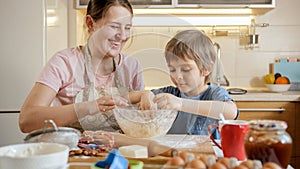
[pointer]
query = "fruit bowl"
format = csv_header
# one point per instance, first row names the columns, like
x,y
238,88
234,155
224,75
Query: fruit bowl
x,y
278,87
144,123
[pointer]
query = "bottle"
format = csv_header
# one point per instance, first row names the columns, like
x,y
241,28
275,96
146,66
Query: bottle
x,y
268,141
253,37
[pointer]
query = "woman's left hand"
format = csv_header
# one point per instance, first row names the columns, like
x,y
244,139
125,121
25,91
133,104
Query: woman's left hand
x,y
167,101
110,102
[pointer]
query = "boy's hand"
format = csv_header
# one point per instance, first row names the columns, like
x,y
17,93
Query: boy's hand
x,y
146,102
167,101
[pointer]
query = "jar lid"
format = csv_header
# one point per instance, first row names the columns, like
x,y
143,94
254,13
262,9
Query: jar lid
x,y
267,124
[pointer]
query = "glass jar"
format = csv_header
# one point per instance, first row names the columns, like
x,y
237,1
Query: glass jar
x,y
268,141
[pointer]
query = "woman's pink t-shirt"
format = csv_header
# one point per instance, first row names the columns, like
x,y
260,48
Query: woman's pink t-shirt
x,y
65,73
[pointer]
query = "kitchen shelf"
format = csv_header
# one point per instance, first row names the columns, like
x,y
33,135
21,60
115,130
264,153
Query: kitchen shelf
x,y
255,7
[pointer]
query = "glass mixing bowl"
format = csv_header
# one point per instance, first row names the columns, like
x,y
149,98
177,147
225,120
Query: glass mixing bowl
x,y
144,123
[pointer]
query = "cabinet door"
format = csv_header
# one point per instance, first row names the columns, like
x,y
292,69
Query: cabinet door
x,y
297,141
9,131
285,111
82,4
226,2
151,2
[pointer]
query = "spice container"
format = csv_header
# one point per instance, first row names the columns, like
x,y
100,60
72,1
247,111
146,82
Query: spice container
x,y
267,141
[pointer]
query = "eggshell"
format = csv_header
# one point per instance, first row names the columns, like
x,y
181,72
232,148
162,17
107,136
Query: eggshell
x,y
217,166
271,165
248,164
240,167
182,154
257,164
186,156
208,160
224,161
175,161
233,162
196,164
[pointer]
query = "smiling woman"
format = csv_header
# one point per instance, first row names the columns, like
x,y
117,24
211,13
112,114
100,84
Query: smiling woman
x,y
98,71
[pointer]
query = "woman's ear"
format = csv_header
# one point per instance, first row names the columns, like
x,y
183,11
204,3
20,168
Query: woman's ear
x,y
89,23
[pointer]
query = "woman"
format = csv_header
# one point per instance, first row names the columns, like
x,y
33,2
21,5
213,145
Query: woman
x,y
86,82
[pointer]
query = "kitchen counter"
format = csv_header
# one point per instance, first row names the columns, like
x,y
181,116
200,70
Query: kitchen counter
x,y
290,96
259,94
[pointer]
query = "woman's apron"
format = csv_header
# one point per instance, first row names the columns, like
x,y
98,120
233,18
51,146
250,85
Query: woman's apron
x,y
102,120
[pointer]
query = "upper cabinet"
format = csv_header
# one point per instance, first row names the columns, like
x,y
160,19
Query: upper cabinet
x,y
257,6
202,3
147,3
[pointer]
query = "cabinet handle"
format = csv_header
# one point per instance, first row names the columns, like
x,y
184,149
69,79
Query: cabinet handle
x,y
262,109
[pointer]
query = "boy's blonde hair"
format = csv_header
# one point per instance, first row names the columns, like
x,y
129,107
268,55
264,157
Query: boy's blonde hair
x,y
194,45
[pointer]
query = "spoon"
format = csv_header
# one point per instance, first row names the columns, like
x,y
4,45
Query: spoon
x,y
222,117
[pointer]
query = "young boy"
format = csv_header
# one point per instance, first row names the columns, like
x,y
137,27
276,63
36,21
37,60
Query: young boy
x,y
191,57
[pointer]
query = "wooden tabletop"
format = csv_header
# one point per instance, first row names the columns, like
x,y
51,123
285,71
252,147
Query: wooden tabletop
x,y
197,144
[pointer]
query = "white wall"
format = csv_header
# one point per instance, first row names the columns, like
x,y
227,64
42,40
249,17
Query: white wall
x,y
280,39
57,32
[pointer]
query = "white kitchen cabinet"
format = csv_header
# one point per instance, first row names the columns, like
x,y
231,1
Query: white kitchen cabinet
x,y
9,130
82,4
229,3
22,50
22,57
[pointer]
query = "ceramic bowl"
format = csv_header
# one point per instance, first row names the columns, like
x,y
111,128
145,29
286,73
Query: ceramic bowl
x,y
278,87
144,123
34,156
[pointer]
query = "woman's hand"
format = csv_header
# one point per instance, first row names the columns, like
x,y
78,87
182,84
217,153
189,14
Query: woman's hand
x,y
106,103
167,101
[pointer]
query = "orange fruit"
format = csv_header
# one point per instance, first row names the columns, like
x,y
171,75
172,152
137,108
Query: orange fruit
x,y
282,80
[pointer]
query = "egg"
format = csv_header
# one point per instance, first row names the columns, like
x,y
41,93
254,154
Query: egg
x,y
182,154
257,164
247,163
224,161
208,160
175,161
186,156
252,164
196,164
217,166
240,167
271,165
233,162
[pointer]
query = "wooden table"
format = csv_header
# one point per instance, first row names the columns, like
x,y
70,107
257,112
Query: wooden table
x,y
197,144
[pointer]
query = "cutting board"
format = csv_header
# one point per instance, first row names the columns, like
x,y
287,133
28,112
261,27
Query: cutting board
x,y
197,144
289,69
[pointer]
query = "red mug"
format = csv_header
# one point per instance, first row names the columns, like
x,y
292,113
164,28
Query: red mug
x,y
232,137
